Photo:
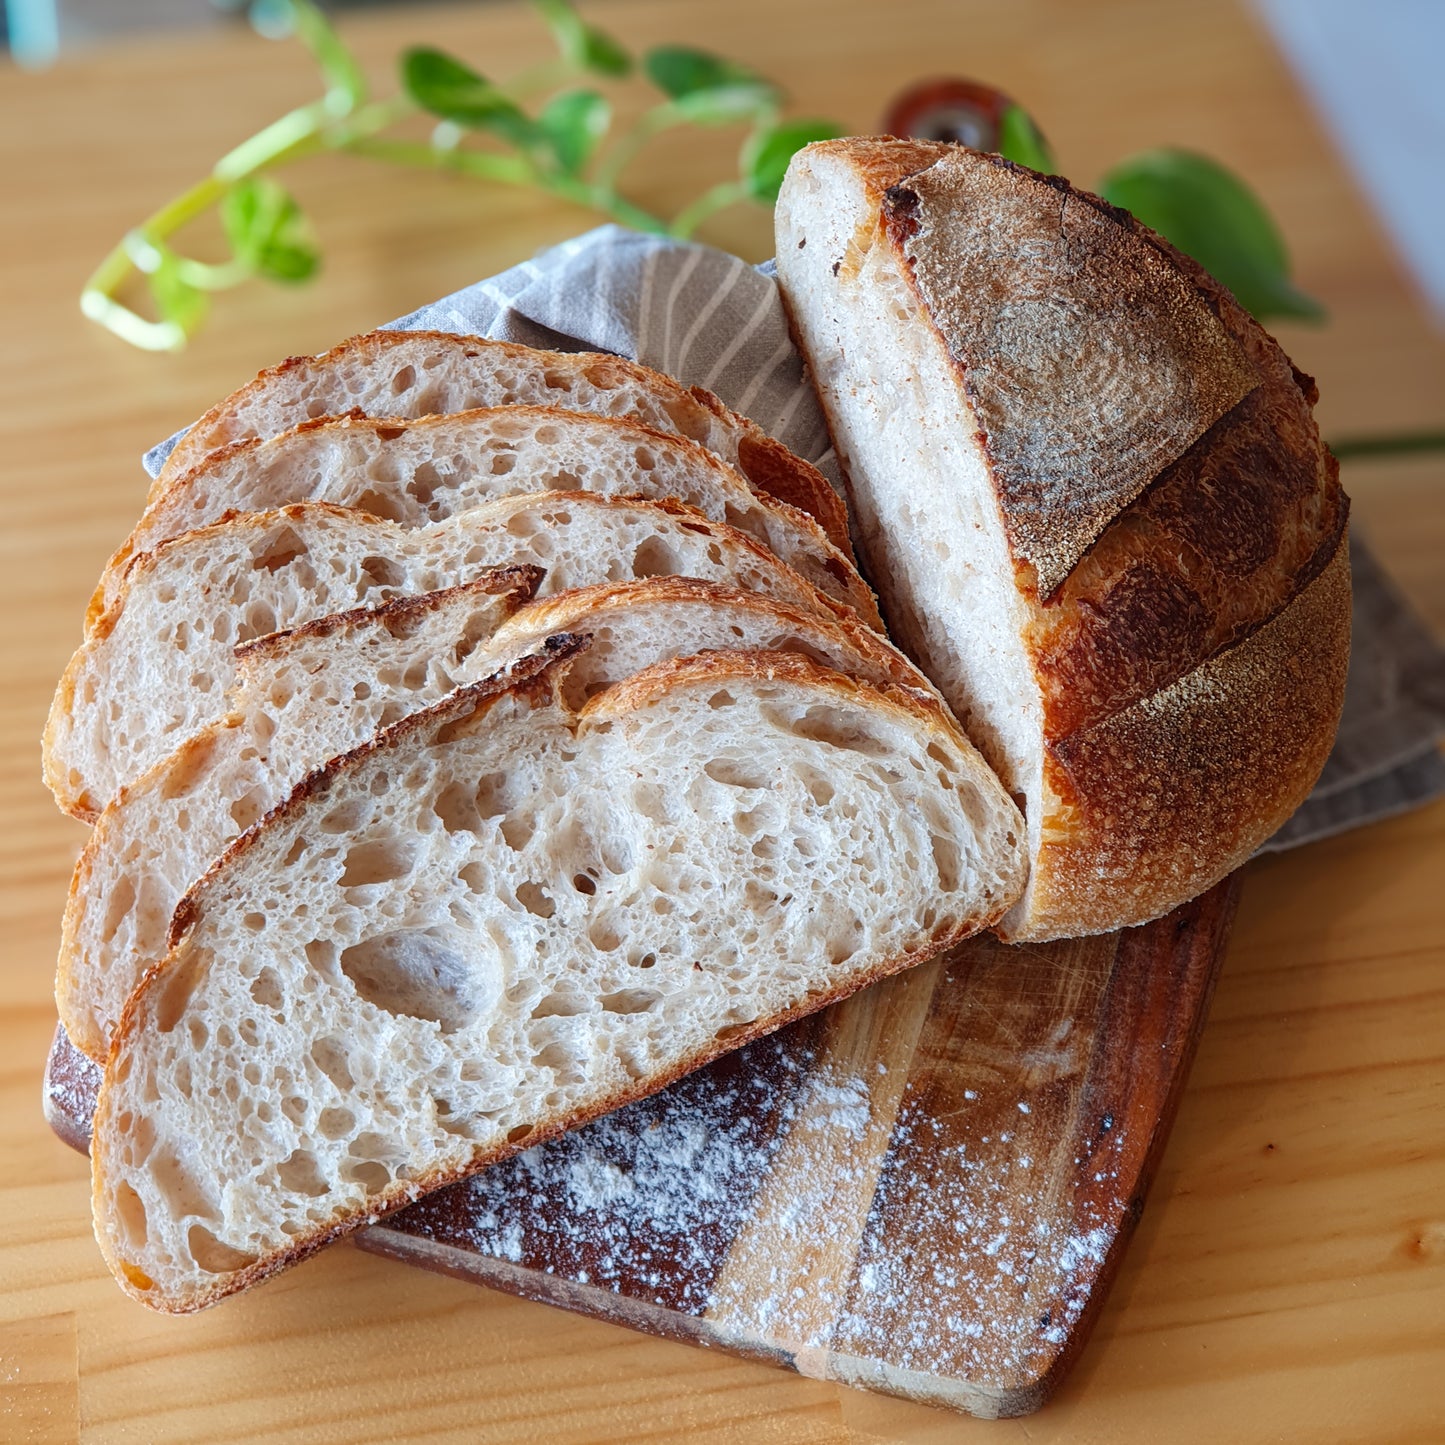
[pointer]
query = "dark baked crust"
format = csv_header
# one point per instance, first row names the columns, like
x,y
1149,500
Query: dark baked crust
x,y
1159,801
1090,359
1191,662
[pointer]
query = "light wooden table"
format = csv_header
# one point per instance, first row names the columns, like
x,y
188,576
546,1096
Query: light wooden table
x,y
1288,1279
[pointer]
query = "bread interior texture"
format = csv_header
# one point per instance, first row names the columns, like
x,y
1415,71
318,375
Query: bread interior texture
x,y
501,918
915,469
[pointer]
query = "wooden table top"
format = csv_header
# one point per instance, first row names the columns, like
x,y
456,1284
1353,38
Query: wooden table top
x,y
1288,1280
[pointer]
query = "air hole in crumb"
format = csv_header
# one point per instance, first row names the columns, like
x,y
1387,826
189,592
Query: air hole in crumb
x,y
583,884
131,1212
946,860
300,1173
255,922
734,773
177,985
421,973
533,897
516,1135
266,989
336,1123
380,860
560,1005
382,572
456,806
654,558
345,816
404,380
372,1176
330,1056
294,853
840,729
282,550
211,1255
630,1001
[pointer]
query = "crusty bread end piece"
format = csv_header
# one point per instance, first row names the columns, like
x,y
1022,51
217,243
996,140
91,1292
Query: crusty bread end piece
x,y
1090,490
503,918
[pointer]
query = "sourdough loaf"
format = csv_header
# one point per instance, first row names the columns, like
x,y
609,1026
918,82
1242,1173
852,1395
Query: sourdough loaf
x,y
418,472
305,696
1091,493
158,664
502,918
422,373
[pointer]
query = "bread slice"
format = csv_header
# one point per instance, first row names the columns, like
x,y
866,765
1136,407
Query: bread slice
x,y
429,470
305,696
423,373
1091,492
158,665
503,918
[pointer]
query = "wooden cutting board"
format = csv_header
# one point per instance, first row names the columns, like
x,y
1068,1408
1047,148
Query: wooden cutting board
x,y
925,1190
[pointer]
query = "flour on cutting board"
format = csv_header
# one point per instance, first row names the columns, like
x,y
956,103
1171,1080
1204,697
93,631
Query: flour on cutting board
x,y
650,1201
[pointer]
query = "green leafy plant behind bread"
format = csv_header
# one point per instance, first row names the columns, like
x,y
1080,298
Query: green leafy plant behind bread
x,y
551,128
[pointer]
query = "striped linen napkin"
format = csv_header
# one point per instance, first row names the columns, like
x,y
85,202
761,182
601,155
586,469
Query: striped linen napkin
x,y
712,320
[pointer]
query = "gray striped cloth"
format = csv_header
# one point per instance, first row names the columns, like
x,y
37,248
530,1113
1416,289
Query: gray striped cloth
x,y
712,320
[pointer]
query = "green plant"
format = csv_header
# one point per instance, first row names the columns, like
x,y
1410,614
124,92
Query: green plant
x,y
549,128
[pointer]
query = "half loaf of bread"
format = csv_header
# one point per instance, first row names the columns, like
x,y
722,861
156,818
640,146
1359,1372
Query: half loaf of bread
x,y
426,373
158,665
1091,493
305,696
502,918
417,472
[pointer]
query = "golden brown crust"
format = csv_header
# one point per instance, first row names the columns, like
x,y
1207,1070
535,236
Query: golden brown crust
x,y
580,608
534,676
402,615
1239,535
779,472
639,690
1090,359
1161,800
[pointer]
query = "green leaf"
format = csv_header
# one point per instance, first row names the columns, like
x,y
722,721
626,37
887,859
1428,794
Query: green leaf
x,y
178,302
447,88
726,105
1211,215
679,70
574,122
1020,140
268,232
583,44
304,20
766,153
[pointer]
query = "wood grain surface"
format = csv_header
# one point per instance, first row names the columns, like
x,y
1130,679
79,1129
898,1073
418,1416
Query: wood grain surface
x,y
1286,1282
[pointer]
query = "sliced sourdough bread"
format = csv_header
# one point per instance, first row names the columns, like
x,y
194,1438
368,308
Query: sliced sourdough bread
x,y
1092,494
502,918
425,373
417,472
305,696
158,666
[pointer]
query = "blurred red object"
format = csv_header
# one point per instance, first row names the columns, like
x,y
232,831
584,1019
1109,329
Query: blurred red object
x,y
949,108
